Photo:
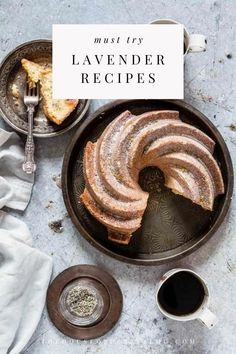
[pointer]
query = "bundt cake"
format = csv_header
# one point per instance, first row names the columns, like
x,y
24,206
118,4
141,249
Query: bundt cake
x,y
129,144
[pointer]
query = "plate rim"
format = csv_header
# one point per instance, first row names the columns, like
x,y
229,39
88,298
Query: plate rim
x,y
81,230
40,135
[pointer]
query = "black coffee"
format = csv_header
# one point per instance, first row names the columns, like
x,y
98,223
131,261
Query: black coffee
x,y
181,294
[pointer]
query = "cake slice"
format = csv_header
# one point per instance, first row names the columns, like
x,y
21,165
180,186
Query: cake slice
x,y
55,110
34,71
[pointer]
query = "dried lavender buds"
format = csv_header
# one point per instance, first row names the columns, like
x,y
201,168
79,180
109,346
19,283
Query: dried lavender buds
x,y
81,301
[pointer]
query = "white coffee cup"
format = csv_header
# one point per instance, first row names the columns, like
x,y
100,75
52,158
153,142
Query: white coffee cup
x,y
202,313
193,43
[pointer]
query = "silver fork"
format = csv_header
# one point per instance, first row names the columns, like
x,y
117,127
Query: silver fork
x,y
31,100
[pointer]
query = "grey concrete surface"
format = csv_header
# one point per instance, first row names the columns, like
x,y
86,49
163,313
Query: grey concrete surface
x,y
210,87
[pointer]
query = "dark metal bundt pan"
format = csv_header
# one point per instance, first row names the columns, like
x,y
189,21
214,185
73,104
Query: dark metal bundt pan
x,y
172,226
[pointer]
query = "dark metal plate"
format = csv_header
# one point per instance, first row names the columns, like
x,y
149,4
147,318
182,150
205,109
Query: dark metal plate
x,y
111,293
13,110
172,226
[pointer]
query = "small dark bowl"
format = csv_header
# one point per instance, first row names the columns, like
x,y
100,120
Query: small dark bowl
x,y
13,110
172,226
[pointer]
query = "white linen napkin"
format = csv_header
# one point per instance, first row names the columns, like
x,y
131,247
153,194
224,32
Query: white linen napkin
x,y
15,184
24,271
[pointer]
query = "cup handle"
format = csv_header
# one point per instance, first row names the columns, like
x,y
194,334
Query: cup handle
x,y
197,43
208,318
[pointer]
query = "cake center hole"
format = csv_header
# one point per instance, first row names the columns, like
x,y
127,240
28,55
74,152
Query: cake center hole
x,y
151,179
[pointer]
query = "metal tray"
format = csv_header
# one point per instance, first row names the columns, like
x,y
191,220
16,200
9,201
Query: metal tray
x,y
13,110
172,226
